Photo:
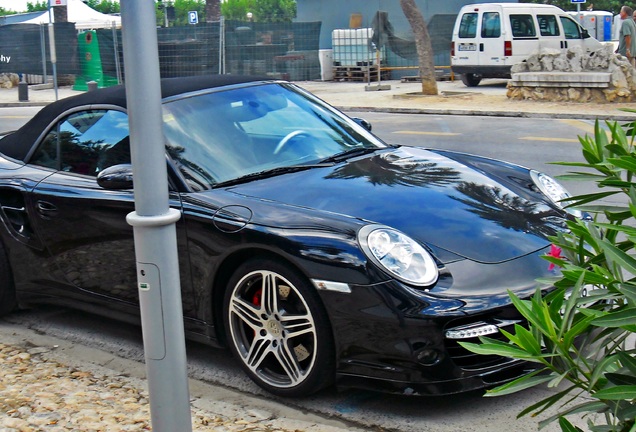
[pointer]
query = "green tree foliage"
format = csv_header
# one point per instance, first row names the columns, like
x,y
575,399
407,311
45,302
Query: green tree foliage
x,y
613,6
581,335
104,6
261,10
37,6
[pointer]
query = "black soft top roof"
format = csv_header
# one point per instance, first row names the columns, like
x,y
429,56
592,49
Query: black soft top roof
x,y
18,144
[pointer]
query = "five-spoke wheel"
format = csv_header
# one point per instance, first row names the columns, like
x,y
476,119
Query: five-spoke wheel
x,y
277,327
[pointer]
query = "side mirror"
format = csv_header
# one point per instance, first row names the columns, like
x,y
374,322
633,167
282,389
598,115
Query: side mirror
x,y
116,177
585,33
362,122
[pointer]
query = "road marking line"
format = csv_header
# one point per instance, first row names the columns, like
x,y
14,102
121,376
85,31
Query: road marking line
x,y
586,127
531,138
426,133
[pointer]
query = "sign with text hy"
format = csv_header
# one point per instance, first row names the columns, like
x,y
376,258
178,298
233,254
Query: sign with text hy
x,y
193,17
58,2
577,1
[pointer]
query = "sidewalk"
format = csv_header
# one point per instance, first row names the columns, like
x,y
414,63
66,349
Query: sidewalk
x,y
488,99
54,385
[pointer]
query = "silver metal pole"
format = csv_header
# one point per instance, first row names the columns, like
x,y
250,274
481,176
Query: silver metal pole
x,y
53,51
43,49
116,53
221,33
154,225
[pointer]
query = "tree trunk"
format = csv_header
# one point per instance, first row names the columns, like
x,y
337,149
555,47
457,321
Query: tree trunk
x,y
423,45
212,10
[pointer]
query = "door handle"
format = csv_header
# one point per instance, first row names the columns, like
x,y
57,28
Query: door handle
x,y
481,47
46,209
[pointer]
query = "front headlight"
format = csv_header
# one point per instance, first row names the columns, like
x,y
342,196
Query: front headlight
x,y
399,255
554,191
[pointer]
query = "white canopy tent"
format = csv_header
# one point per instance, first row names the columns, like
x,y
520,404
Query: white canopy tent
x,y
84,17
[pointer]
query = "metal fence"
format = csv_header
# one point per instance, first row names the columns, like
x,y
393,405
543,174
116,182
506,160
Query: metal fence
x,y
283,50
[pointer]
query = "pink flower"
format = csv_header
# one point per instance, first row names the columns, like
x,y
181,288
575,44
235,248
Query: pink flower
x,y
556,253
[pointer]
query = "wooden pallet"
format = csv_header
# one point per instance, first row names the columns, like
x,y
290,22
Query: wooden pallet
x,y
357,73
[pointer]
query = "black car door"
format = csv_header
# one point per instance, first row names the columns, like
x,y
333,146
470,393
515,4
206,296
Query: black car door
x,y
82,225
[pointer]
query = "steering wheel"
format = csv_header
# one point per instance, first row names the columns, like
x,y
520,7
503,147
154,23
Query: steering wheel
x,y
288,138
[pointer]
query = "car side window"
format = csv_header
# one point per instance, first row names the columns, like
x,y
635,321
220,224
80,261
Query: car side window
x,y
570,28
85,142
468,26
491,25
548,25
522,26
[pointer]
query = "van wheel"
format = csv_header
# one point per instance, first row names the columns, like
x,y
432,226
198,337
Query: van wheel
x,y
471,80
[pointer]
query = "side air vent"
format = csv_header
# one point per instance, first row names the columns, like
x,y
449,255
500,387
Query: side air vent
x,y
14,214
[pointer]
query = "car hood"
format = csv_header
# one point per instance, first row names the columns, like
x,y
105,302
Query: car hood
x,y
436,200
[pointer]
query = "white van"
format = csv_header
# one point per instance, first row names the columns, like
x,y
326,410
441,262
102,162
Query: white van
x,y
489,38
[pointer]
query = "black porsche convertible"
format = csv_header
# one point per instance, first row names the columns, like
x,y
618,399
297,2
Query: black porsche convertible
x,y
316,252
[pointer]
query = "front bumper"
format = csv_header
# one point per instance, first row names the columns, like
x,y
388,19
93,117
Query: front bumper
x,y
389,338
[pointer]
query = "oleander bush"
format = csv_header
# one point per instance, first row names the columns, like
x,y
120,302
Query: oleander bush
x,y
581,334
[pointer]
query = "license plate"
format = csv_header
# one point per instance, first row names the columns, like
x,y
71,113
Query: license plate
x,y
467,47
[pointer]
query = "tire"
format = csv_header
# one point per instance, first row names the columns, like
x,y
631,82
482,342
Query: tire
x,y
471,80
7,289
278,329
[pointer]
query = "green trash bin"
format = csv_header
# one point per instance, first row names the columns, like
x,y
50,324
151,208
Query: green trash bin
x,y
91,63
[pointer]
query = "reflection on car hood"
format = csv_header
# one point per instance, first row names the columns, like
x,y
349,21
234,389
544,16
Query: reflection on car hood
x,y
434,199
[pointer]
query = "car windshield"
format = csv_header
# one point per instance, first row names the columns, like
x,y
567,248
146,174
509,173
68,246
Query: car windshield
x,y
220,136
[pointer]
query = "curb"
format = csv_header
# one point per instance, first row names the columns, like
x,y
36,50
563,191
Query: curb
x,y
509,114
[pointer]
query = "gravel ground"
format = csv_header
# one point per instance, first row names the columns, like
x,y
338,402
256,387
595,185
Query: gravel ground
x,y
40,392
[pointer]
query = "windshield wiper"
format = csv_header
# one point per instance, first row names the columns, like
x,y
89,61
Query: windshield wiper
x,y
271,173
357,151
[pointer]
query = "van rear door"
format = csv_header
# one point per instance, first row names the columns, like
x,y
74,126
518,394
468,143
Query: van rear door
x,y
466,43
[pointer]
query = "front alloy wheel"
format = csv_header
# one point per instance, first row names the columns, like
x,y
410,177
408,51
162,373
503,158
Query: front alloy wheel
x,y
277,327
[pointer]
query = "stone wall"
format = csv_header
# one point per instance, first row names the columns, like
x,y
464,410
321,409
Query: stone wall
x,y
9,80
574,75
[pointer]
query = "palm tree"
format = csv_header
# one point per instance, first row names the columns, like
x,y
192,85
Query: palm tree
x,y
212,10
423,45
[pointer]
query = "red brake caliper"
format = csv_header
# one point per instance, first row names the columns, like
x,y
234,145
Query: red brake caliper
x,y
256,300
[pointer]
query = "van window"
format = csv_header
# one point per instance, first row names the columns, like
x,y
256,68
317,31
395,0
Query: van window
x,y
570,28
522,26
468,26
548,25
490,25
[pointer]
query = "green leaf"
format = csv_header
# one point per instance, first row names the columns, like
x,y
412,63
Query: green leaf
x,y
622,318
566,426
527,341
623,392
601,368
625,162
580,176
626,261
522,383
585,407
621,379
500,348
546,403
628,361
577,329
